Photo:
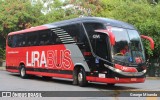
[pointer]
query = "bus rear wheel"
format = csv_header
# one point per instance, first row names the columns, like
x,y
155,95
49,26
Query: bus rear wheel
x,y
81,77
22,72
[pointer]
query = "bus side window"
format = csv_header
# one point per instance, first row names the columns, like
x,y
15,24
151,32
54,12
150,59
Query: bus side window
x,y
91,27
54,39
32,39
99,41
44,38
73,30
21,40
15,39
10,41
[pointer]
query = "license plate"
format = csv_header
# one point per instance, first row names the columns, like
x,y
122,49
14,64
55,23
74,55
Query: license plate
x,y
133,79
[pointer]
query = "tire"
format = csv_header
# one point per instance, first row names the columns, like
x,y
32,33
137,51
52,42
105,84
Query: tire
x,y
75,78
22,72
81,76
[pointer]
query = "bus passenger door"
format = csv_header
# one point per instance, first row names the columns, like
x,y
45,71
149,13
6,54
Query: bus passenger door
x,y
100,46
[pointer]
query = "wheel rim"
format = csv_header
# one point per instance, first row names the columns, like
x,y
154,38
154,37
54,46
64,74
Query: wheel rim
x,y
22,72
80,77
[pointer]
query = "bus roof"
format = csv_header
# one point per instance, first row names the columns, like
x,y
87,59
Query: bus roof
x,y
32,29
106,21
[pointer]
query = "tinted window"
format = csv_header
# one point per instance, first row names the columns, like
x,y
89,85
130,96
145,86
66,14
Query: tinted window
x,y
21,40
10,41
65,34
32,39
16,40
73,33
91,27
45,37
99,41
55,36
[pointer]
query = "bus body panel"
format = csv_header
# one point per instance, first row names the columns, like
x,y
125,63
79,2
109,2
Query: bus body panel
x,y
60,60
55,57
116,80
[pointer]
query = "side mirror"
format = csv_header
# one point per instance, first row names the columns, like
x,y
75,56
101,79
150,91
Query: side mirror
x,y
150,40
110,35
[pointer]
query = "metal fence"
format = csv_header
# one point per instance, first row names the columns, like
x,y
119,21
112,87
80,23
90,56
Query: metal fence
x,y
154,67
1,61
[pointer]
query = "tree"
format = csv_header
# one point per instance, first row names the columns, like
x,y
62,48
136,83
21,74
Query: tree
x,y
15,16
84,7
143,15
21,14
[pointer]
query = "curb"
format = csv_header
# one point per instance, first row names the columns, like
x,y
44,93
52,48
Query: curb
x,y
2,68
153,78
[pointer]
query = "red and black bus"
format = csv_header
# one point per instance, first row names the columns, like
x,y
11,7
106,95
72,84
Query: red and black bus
x,y
83,49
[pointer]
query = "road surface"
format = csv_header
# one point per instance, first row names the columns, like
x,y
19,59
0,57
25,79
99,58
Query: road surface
x,y
13,82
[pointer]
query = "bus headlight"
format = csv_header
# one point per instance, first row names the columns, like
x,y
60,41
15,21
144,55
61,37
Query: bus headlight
x,y
112,68
117,70
144,71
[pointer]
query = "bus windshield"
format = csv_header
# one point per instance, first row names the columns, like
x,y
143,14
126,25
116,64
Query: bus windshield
x,y
128,47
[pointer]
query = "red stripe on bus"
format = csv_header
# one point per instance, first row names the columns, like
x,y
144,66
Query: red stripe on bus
x,y
113,80
49,74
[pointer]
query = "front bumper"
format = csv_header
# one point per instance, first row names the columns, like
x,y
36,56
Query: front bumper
x,y
134,74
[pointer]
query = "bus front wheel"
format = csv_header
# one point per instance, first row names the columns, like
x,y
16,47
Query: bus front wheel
x,y
23,72
81,77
